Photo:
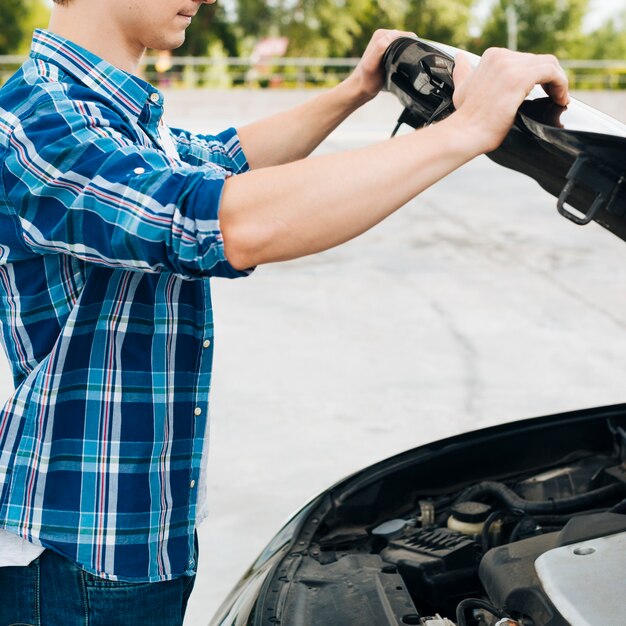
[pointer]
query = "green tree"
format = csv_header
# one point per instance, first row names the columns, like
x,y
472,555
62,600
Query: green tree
x,y
36,15
257,18
209,26
448,22
544,26
343,27
12,31
19,18
322,27
608,41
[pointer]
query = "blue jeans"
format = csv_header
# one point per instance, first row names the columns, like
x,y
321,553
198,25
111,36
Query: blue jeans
x,y
52,591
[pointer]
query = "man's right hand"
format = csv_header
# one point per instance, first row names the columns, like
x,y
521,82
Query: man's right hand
x,y
489,96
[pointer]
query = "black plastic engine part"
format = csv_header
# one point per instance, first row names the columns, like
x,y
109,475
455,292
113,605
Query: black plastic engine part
x,y
438,565
508,572
618,472
356,589
586,527
509,577
564,482
620,507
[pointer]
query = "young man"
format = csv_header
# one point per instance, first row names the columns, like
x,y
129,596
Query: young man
x,y
109,231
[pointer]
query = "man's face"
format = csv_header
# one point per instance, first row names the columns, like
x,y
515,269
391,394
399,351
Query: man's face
x,y
156,24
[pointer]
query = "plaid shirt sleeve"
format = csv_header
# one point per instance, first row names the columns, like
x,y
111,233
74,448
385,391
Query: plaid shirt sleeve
x,y
81,184
199,149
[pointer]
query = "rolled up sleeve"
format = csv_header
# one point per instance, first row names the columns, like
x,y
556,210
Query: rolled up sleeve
x,y
224,149
80,185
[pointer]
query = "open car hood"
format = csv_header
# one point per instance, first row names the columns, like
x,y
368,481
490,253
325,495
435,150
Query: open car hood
x,y
576,153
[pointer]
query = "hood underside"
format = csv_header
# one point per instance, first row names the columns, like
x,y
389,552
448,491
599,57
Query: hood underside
x,y
575,153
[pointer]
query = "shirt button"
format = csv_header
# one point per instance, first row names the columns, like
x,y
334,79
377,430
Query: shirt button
x,y
139,170
192,484
206,343
197,411
154,97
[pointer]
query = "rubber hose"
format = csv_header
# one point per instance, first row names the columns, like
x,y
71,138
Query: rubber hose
x,y
508,497
555,520
475,603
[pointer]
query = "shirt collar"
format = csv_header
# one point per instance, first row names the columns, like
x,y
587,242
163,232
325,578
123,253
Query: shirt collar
x,y
127,91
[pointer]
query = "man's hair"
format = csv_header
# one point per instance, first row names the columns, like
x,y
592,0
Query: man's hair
x,y
61,1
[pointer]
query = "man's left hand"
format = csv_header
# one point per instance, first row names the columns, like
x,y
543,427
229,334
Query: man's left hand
x,y
368,76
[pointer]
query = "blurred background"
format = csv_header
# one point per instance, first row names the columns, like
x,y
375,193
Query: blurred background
x,y
314,43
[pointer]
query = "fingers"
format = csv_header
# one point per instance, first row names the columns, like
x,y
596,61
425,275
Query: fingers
x,y
383,37
460,74
462,69
550,75
489,96
558,89
538,69
553,80
381,40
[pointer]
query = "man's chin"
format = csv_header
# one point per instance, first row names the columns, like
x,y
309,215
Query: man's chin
x,y
168,43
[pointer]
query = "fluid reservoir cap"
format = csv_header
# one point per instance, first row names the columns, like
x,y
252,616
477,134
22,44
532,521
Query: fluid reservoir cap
x,y
390,528
471,512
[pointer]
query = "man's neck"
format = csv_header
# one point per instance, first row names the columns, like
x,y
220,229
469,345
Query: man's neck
x,y
83,24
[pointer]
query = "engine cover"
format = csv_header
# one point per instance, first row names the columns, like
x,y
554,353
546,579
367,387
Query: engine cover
x,y
586,581
525,576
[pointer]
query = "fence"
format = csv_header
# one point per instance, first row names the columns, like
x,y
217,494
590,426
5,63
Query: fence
x,y
192,72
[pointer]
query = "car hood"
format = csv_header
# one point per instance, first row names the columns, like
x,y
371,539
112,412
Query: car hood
x,y
576,153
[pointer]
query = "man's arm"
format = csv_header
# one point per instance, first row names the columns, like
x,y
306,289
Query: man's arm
x,y
81,185
294,134
292,210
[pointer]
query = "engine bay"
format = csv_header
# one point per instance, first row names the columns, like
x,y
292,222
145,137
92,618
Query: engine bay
x,y
491,552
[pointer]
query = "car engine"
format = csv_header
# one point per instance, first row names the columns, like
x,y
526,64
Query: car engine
x,y
538,548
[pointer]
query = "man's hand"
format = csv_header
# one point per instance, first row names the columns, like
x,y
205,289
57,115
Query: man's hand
x,y
489,96
368,76
294,134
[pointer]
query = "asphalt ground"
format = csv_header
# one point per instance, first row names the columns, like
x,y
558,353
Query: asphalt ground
x,y
475,304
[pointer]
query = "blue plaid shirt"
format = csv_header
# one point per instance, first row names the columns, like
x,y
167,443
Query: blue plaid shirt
x,y
106,247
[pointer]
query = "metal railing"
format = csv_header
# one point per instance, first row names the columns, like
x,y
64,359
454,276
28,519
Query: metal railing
x,y
216,72
298,72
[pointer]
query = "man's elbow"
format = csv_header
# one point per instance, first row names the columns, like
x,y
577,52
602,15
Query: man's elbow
x,y
237,249
249,240
252,236
255,241
238,232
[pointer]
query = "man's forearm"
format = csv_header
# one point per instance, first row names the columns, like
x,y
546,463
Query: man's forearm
x,y
294,134
292,210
